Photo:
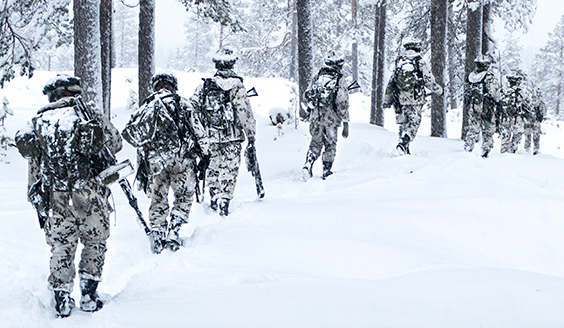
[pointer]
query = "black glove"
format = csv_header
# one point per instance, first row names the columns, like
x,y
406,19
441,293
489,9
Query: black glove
x,y
203,166
251,139
345,130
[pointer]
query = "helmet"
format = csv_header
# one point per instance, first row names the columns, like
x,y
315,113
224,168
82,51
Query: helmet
x,y
225,58
168,78
515,77
334,59
412,44
60,86
482,62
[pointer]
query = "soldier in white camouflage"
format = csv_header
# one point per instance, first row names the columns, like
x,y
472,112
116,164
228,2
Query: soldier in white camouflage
x,y
482,97
169,138
226,114
533,126
406,92
327,106
515,111
65,155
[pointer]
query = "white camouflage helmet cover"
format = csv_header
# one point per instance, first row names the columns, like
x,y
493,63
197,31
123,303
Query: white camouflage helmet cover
x,y
226,57
334,59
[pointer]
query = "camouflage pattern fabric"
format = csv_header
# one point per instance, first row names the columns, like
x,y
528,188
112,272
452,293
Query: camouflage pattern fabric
x,y
412,98
408,105
324,136
411,119
515,112
324,122
77,215
481,120
533,131
243,121
176,173
225,142
221,176
85,219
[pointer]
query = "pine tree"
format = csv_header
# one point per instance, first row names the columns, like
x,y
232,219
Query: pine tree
x,y
511,56
23,26
146,48
549,69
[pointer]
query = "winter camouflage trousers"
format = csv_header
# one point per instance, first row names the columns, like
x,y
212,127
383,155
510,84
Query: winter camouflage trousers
x,y
511,132
477,125
221,176
410,120
533,130
178,174
323,136
84,217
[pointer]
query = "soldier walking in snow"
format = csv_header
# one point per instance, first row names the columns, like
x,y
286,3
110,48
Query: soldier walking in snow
x,y
327,106
406,92
65,154
482,97
515,111
169,137
533,126
226,114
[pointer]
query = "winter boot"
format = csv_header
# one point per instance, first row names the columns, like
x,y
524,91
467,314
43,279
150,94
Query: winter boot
x,y
307,170
63,303
223,207
158,241
404,144
173,240
327,169
213,204
90,301
485,153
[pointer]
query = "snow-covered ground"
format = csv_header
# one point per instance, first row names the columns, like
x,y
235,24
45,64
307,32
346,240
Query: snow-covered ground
x,y
442,238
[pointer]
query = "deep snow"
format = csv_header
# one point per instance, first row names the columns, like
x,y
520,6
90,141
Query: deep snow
x,y
441,238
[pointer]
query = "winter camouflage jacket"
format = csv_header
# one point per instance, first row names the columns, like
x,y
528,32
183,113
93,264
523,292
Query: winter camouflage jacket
x,y
515,103
483,92
165,127
411,77
337,108
224,108
80,154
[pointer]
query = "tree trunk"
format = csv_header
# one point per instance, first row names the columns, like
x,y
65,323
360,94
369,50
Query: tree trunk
x,y
305,54
106,10
294,41
439,15
473,49
381,61
354,50
486,29
146,48
451,33
87,52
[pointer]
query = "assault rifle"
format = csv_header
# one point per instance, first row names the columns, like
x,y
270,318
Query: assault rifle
x,y
353,86
252,92
114,171
253,167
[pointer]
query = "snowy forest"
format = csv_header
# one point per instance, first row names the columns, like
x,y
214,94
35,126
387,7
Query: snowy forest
x,y
286,39
439,239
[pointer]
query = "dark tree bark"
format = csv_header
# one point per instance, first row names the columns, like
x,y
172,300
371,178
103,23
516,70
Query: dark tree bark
x,y
354,50
146,47
87,50
451,36
106,28
294,41
376,104
486,28
473,49
305,53
439,15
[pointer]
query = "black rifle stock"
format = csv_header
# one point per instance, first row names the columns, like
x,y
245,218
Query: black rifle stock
x,y
253,167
